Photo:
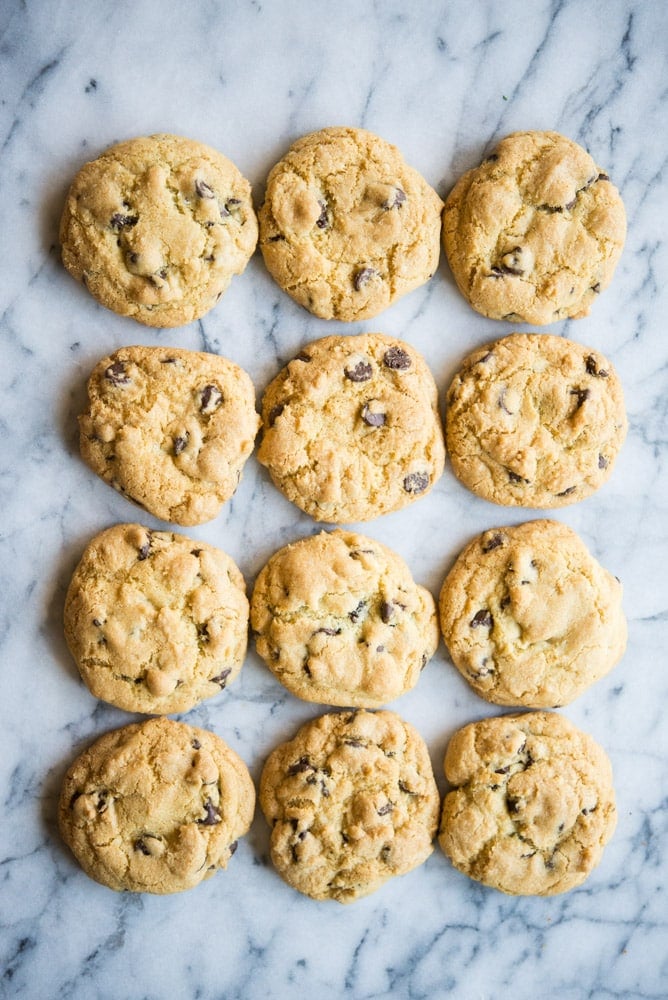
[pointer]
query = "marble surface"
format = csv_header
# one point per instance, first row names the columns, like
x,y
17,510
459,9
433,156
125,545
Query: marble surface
x,y
442,80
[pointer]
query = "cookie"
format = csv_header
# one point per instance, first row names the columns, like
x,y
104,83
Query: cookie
x,y
339,620
169,429
533,234
351,801
157,806
533,805
155,621
156,227
351,428
346,226
535,420
530,617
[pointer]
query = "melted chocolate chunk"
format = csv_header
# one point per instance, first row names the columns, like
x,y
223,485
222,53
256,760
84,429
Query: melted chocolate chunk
x,y
301,765
119,221
492,543
515,478
116,374
416,482
203,189
363,277
140,845
592,368
482,618
356,612
582,395
221,678
567,493
181,443
210,399
323,221
212,815
361,372
371,418
386,612
397,359
145,549
396,201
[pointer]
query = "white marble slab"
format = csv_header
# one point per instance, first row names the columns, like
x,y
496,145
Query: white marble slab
x,y
442,80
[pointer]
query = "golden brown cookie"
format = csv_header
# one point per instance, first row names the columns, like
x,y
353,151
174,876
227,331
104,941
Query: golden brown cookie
x,y
351,428
169,429
156,227
347,226
530,617
351,801
156,622
535,420
155,807
534,233
339,620
533,805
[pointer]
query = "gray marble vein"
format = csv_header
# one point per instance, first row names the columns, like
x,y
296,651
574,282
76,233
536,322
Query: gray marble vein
x,y
443,80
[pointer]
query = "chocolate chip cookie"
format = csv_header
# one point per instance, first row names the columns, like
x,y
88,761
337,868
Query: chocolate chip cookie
x,y
533,234
533,805
351,801
351,428
535,420
169,429
347,226
155,621
157,806
156,227
530,617
339,620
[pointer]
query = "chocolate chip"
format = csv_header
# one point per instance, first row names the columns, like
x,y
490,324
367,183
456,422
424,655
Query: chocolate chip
x,y
592,368
582,395
276,239
501,269
355,614
550,209
145,549
139,845
210,399
328,631
602,177
221,678
416,482
492,158
97,622
180,443
396,359
196,745
275,413
404,788
303,356
396,201
212,815
195,552
566,493
502,770
371,418
384,810
203,631
303,764
322,222
493,542
167,361
361,372
233,847
224,211
571,204
485,358
515,478
513,804
363,277
505,601
203,189
116,374
482,618
386,612
502,402
119,221
596,288
352,742
602,462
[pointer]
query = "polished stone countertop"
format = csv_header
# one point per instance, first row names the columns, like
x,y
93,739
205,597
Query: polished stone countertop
x,y
443,81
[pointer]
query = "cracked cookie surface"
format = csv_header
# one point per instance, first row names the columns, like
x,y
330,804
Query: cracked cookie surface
x,y
339,620
534,804
535,420
352,801
347,226
156,622
533,234
170,429
530,617
351,428
156,806
156,227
